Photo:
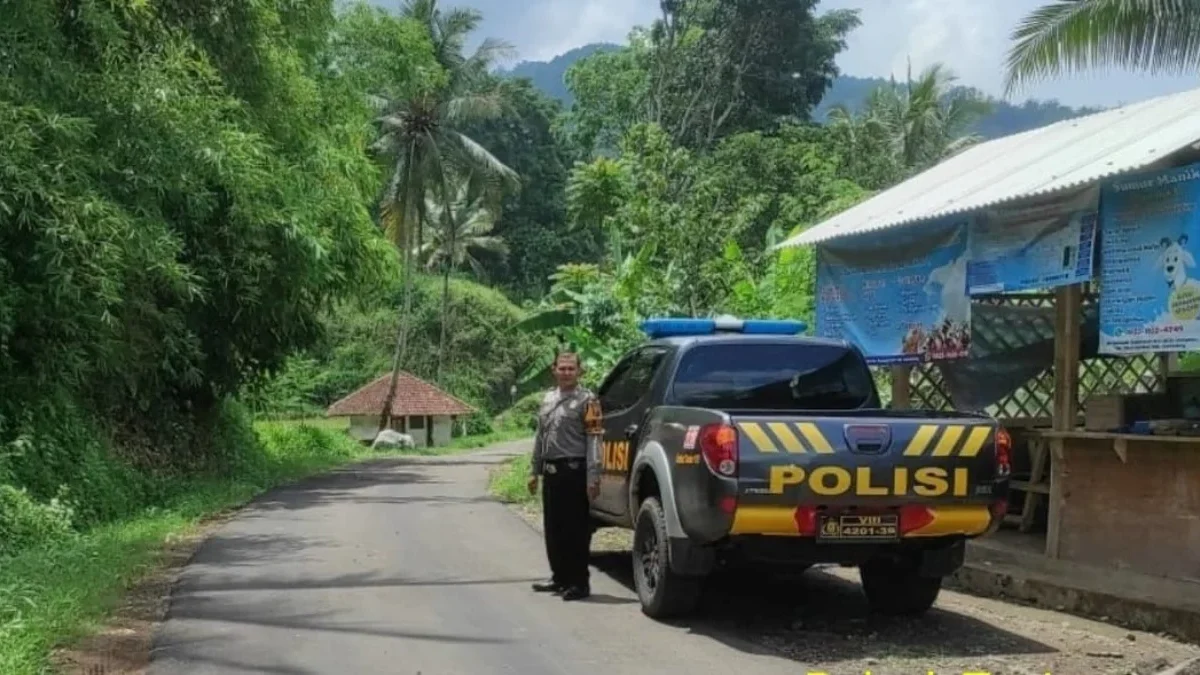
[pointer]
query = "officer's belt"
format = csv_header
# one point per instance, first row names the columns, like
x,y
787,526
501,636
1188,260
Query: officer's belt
x,y
553,465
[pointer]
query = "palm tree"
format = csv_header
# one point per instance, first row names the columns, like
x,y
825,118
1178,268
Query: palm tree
x,y
920,122
459,236
420,134
1157,36
463,234
926,118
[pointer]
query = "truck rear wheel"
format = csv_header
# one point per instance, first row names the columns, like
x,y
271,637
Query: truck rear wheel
x,y
894,587
662,592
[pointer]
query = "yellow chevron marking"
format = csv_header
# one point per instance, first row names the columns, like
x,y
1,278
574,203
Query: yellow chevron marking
x,y
758,437
786,437
815,440
975,441
920,440
949,439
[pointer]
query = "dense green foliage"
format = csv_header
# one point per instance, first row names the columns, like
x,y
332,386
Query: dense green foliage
x,y
185,193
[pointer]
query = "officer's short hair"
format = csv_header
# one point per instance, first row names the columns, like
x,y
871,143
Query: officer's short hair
x,y
569,354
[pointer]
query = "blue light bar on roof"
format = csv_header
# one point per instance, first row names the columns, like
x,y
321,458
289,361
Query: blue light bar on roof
x,y
676,327
658,328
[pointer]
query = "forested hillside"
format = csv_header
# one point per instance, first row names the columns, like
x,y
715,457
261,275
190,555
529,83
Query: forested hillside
x,y
852,92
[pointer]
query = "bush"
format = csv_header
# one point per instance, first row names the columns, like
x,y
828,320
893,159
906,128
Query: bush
x,y
25,522
522,415
63,475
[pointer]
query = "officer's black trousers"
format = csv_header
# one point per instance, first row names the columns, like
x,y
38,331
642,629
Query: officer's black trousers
x,y
566,522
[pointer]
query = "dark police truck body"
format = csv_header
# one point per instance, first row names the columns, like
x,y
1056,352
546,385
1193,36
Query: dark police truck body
x,y
733,443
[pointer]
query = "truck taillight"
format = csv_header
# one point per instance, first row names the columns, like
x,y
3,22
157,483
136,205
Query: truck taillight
x,y
719,445
1003,453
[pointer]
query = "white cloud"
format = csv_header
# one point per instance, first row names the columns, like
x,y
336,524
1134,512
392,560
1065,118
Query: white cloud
x,y
566,25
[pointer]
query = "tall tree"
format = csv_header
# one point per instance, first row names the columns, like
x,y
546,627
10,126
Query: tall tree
x,y
462,234
421,134
1157,36
533,220
709,69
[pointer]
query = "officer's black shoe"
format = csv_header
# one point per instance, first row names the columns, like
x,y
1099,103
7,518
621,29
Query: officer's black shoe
x,y
576,593
548,587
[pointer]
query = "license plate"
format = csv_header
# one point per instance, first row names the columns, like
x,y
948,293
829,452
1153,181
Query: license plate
x,y
859,528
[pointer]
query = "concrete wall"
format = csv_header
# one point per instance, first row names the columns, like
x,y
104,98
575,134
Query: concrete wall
x,y
362,428
443,427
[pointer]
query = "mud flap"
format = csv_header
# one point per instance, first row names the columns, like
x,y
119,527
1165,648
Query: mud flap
x,y
691,560
941,562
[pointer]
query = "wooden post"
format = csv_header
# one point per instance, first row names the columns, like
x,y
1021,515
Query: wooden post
x,y
1068,307
1068,302
901,387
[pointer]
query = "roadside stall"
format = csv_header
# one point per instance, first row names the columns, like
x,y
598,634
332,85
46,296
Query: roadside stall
x,y
1046,278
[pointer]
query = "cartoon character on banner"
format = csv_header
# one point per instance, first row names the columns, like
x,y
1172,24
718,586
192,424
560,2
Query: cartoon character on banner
x,y
1183,292
950,335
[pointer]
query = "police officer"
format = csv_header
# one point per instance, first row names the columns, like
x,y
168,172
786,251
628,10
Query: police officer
x,y
566,456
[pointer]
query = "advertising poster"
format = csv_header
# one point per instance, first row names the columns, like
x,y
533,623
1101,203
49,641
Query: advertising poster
x,y
901,304
1150,240
1024,251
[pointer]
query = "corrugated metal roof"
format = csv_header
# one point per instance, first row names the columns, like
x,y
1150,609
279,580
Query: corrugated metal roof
x,y
1054,158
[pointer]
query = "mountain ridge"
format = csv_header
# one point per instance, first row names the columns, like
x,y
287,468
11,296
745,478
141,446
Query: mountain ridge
x,y
1005,119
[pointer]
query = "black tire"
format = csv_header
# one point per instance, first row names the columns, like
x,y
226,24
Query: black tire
x,y
662,592
894,588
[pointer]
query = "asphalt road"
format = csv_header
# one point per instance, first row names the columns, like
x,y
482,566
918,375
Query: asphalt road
x,y
406,566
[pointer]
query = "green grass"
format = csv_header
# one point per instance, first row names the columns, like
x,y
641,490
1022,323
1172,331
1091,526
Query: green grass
x,y
56,593
508,482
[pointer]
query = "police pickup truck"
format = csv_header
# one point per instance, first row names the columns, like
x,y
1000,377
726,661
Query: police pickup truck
x,y
740,444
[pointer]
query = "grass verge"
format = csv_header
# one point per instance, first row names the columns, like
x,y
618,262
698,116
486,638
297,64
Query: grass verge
x,y
63,591
508,481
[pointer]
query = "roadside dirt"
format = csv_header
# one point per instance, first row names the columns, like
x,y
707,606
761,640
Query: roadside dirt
x,y
820,620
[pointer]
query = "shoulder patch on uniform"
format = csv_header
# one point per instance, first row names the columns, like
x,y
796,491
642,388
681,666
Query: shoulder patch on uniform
x,y
593,418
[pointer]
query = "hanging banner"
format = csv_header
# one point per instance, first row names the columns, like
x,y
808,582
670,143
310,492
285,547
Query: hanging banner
x,y
1022,251
900,304
1150,240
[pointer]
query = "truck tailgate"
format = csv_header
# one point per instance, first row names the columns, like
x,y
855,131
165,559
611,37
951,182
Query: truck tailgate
x,y
795,467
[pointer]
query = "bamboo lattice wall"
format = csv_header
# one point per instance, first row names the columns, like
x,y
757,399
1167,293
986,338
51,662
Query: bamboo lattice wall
x,y
1035,399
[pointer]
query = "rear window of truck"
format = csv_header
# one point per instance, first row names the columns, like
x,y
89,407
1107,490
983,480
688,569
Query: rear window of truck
x,y
748,376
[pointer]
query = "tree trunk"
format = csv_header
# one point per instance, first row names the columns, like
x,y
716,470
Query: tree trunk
x,y
385,416
445,317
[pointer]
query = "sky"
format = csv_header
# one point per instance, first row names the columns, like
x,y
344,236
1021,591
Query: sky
x,y
970,36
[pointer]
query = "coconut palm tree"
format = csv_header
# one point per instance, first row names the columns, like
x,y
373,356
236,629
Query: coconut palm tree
x,y
420,134
920,122
1065,36
461,235
927,118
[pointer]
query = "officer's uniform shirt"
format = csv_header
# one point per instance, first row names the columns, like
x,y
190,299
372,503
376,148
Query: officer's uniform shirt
x,y
569,427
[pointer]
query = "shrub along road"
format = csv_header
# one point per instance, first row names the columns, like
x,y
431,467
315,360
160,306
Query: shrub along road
x,y
407,566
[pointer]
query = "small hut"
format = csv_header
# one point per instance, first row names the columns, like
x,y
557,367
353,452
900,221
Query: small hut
x,y
420,409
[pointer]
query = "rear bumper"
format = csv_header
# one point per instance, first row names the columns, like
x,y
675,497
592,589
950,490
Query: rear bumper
x,y
966,520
